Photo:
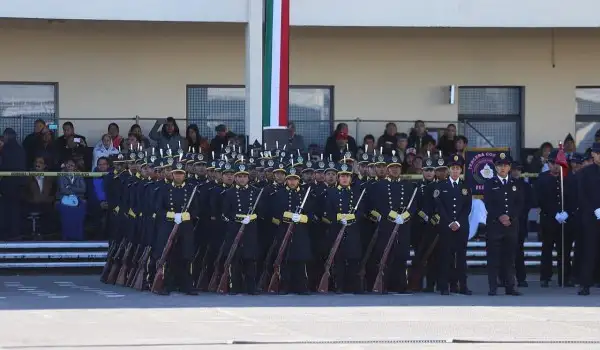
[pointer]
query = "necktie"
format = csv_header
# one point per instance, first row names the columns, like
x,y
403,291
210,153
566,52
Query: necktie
x,y
503,181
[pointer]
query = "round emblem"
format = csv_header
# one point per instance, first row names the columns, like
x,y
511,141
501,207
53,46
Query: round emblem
x,y
309,164
502,156
179,166
132,155
321,165
344,167
251,160
169,152
227,150
436,193
153,159
227,166
292,171
394,159
515,188
200,157
280,166
455,158
348,155
365,156
221,163
271,163
440,161
180,152
240,156
120,156
242,167
170,161
282,154
141,155
213,164
428,162
465,192
234,155
300,160
380,158
331,164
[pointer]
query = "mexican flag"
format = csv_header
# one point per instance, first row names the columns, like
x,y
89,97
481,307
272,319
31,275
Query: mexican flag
x,y
276,63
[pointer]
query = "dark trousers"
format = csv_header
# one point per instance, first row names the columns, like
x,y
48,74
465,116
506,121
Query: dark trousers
x,y
294,277
520,253
178,276
243,276
452,262
10,217
501,246
345,274
590,241
552,238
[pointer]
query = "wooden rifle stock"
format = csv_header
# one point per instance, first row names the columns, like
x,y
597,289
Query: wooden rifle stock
x,y
109,261
365,260
158,285
135,265
224,283
125,267
276,277
203,267
264,277
416,275
140,274
378,285
116,266
324,284
214,279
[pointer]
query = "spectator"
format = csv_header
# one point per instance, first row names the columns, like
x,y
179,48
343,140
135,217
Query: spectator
x,y
31,142
569,145
338,142
409,158
136,129
460,145
169,136
97,200
104,148
389,139
195,141
368,146
597,136
74,150
47,149
296,141
428,146
71,203
12,158
401,145
538,162
134,142
39,195
418,136
417,166
68,131
221,140
113,132
446,143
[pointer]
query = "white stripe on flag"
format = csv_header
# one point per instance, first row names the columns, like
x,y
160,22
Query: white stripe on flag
x,y
276,63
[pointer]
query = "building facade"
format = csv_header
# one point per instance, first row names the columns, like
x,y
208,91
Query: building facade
x,y
515,74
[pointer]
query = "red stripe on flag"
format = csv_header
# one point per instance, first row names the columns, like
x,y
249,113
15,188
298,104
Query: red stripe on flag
x,y
284,79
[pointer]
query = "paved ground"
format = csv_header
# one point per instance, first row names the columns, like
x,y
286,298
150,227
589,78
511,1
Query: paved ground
x,y
78,312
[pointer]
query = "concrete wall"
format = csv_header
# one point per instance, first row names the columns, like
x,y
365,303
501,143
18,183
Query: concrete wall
x,y
108,70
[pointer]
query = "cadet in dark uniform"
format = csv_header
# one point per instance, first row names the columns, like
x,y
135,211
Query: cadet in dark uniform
x,y
453,203
552,217
170,206
525,188
589,205
339,210
285,204
389,203
504,203
237,209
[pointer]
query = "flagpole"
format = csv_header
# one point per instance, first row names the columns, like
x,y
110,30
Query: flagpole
x,y
562,225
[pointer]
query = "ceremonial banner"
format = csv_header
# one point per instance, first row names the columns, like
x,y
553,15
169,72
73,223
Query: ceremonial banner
x,y
479,166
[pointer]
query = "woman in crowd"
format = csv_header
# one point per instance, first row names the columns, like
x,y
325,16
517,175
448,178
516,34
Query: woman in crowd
x,y
104,148
113,132
137,129
538,162
446,143
389,139
168,136
195,141
71,204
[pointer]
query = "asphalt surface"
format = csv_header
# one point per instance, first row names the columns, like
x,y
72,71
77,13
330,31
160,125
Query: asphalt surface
x,y
79,312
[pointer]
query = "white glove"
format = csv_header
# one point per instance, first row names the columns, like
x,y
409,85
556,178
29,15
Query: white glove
x,y
564,216
379,218
597,212
246,220
178,219
558,217
344,221
296,218
426,218
399,220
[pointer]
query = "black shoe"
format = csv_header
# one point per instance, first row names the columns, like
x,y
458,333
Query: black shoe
x,y
584,291
569,284
428,290
444,292
545,284
304,292
511,291
453,288
522,284
191,292
465,291
492,292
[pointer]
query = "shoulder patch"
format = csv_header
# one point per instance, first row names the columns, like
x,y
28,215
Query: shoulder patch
x,y
436,193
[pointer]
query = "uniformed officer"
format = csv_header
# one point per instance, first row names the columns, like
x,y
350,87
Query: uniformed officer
x,y
340,202
504,203
390,204
526,189
285,207
170,210
549,193
589,205
238,210
453,203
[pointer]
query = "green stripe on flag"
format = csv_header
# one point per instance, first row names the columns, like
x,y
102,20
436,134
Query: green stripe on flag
x,y
267,62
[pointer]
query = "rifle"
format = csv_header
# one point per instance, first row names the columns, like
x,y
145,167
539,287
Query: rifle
x,y
135,262
365,260
324,285
116,267
224,283
203,267
140,274
276,278
212,284
109,261
122,276
414,278
158,285
264,276
378,285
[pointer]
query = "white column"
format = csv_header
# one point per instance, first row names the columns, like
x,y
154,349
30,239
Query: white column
x,y
254,70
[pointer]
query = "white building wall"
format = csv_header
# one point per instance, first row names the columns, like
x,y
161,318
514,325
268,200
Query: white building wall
x,y
121,70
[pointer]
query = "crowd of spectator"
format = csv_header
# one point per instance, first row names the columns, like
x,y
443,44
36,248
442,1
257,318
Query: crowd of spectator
x,y
76,200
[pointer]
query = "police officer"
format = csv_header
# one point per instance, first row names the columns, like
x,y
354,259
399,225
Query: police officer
x,y
340,202
589,205
526,189
549,193
453,203
504,203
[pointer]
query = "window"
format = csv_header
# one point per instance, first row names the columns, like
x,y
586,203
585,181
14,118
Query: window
x,y
491,116
587,116
310,108
22,103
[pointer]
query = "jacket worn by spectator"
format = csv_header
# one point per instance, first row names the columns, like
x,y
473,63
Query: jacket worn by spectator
x,y
40,190
162,139
101,151
417,142
331,147
71,185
